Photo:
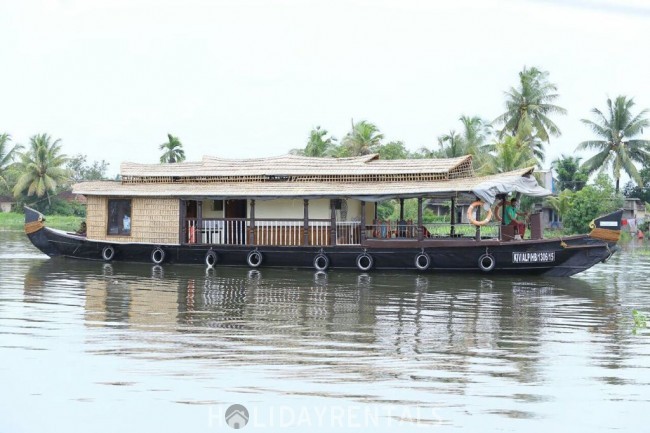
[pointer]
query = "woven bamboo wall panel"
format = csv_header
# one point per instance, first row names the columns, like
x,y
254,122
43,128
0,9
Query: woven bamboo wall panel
x,y
153,220
96,217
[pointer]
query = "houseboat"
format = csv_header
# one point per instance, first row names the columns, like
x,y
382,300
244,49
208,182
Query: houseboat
x,y
318,213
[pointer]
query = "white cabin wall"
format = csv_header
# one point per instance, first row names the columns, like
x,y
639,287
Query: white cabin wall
x,y
293,208
289,208
370,212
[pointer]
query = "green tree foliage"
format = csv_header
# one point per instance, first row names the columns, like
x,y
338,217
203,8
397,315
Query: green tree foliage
x,y
318,144
388,210
507,155
641,192
529,108
561,202
591,202
392,150
385,209
470,141
173,150
616,147
80,170
529,105
569,173
41,168
7,155
364,137
474,134
451,145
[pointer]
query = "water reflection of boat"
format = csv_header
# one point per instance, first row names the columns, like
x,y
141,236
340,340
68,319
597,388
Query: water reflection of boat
x,y
269,316
145,294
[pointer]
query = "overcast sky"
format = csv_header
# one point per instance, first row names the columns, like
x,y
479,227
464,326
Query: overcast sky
x,y
247,78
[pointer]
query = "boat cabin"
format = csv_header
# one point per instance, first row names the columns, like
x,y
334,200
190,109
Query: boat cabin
x,y
292,201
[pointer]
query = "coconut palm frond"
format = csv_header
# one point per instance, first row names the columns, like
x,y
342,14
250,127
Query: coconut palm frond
x,y
41,167
618,149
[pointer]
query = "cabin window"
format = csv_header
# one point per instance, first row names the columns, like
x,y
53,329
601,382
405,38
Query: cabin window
x,y
217,205
119,217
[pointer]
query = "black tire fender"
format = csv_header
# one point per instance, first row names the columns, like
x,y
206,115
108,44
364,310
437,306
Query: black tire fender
x,y
108,252
158,255
365,262
254,259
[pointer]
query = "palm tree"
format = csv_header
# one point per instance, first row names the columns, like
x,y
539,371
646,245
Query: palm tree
x,y
451,145
474,134
507,155
425,152
362,139
6,155
173,150
561,203
470,141
318,145
528,108
41,167
616,127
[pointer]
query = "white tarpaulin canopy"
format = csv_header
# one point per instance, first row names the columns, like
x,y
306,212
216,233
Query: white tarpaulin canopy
x,y
488,190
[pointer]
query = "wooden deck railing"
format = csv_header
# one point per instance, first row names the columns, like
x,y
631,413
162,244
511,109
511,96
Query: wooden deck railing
x,y
241,231
293,232
408,230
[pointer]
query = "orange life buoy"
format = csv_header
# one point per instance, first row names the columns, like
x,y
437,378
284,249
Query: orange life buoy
x,y
470,214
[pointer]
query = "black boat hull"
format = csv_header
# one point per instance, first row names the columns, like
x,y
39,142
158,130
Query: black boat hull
x,y
583,252
548,257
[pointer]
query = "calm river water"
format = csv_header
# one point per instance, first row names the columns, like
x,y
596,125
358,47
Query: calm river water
x,y
105,348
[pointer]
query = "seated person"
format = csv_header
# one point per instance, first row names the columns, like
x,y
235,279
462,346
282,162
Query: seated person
x,y
82,229
511,218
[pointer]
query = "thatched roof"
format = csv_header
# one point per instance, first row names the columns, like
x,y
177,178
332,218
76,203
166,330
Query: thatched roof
x,y
371,191
296,166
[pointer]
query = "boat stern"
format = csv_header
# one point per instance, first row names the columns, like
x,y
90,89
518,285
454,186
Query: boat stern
x,y
607,227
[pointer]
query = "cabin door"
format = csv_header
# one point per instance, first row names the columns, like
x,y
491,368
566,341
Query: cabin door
x,y
235,209
189,228
190,209
236,229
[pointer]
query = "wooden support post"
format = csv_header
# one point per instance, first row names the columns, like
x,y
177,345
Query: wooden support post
x,y
332,222
452,209
401,209
362,226
375,213
182,214
252,216
503,216
420,232
305,227
199,222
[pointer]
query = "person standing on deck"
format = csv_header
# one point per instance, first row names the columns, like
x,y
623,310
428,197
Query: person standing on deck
x,y
511,218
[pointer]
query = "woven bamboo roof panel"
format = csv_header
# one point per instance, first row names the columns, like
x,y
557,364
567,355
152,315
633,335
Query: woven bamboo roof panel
x,y
298,169
269,190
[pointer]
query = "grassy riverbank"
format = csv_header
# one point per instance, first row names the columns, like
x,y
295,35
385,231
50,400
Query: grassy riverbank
x,y
16,221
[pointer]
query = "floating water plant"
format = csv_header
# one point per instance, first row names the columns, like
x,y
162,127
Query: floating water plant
x,y
640,320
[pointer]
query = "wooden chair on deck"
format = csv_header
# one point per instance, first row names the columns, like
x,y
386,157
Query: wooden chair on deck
x,y
401,229
508,233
